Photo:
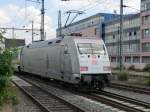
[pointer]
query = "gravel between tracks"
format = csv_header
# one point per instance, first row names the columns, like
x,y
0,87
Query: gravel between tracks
x,y
84,103
26,105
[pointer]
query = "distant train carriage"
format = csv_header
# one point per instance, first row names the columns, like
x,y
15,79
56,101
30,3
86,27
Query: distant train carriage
x,y
83,62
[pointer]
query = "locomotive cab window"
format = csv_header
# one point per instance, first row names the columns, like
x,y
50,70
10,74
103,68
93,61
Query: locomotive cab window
x,y
90,48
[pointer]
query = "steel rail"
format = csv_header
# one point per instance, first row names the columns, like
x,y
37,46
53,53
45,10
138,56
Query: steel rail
x,y
138,89
74,108
127,99
112,102
42,107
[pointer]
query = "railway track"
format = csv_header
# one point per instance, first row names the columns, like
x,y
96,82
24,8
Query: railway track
x,y
121,102
139,89
128,107
117,101
46,101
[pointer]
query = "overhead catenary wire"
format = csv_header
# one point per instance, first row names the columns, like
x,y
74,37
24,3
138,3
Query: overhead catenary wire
x,y
25,19
95,5
91,6
131,7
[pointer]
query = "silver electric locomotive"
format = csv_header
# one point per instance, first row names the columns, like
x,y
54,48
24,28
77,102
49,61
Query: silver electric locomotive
x,y
82,62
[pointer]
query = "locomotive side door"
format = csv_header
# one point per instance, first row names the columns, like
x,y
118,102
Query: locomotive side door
x,y
65,63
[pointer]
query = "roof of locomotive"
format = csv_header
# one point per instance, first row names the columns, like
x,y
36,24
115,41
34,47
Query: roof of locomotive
x,y
55,41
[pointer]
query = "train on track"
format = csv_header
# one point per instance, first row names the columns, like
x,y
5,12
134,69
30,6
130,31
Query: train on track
x,y
81,62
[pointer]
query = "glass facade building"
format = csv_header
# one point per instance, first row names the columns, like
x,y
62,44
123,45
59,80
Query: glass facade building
x,y
136,35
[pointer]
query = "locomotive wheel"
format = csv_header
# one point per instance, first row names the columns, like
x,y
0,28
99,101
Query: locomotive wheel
x,y
101,85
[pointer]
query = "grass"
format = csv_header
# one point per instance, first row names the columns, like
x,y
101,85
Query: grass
x,y
123,76
9,95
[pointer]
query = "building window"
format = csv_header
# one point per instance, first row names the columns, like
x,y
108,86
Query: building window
x,y
128,59
130,33
145,47
113,36
135,33
146,59
113,59
136,59
145,5
146,20
146,33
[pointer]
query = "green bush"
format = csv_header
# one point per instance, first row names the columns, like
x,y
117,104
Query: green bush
x,y
148,81
123,76
147,68
6,71
9,95
6,67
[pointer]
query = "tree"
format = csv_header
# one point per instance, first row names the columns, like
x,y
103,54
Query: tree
x,y
6,67
8,94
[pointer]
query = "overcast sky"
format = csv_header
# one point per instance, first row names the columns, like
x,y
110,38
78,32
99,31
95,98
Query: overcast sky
x,y
19,13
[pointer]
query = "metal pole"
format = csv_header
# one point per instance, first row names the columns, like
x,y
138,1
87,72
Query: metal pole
x,y
121,30
45,35
32,31
42,21
67,19
118,45
59,23
13,37
13,33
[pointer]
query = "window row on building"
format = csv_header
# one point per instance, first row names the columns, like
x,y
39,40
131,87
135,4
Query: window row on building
x,y
131,59
126,24
145,5
81,25
146,33
127,59
146,20
126,48
127,36
146,47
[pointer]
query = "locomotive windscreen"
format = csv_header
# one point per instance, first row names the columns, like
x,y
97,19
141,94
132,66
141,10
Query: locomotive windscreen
x,y
90,48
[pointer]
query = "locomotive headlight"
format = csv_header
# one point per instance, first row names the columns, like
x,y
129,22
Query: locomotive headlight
x,y
106,68
76,76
